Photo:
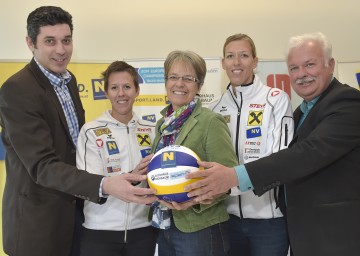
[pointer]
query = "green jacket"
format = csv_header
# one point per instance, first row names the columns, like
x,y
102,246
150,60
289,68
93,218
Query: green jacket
x,y
207,134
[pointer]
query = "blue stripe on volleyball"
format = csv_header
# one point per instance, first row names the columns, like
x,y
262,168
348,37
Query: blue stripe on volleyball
x,y
179,197
182,159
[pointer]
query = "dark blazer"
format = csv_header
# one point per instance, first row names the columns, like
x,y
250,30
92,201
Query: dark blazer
x,y
41,179
321,171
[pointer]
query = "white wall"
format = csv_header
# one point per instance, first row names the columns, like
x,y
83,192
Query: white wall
x,y
116,29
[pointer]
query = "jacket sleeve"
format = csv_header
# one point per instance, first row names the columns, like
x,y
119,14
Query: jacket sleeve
x,y
218,143
219,149
88,156
283,123
329,133
31,136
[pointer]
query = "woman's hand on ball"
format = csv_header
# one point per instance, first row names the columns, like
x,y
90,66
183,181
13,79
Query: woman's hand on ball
x,y
142,167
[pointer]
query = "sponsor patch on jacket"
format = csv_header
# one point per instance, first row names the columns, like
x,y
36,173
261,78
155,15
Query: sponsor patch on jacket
x,y
254,151
111,169
227,118
223,109
255,118
253,132
145,152
101,131
113,160
261,106
251,157
253,143
143,129
143,139
110,136
112,147
99,143
150,118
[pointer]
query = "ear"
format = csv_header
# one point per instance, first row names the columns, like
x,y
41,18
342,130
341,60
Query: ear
x,y
222,63
106,94
30,44
138,91
332,65
256,60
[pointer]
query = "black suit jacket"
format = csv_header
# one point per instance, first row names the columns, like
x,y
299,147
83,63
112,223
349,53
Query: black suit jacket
x,y
321,172
41,179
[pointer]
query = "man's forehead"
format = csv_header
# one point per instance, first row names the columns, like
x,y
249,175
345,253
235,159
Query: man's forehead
x,y
55,30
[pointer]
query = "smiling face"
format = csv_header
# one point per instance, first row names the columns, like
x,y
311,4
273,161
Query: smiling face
x,y
239,62
53,47
309,74
122,93
181,92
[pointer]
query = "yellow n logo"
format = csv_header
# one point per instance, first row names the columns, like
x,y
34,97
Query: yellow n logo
x,y
112,147
168,159
168,156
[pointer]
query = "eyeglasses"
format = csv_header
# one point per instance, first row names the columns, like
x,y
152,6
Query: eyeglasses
x,y
186,79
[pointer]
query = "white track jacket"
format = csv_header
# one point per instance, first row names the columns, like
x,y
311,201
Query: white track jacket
x,y
261,122
107,147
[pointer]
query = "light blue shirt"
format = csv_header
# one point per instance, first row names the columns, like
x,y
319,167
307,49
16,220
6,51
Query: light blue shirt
x,y
59,83
305,108
243,178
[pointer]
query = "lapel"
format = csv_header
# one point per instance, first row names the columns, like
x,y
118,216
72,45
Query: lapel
x,y
297,115
44,82
189,124
313,111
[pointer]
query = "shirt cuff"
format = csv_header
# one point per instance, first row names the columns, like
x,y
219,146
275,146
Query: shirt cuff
x,y
243,178
100,189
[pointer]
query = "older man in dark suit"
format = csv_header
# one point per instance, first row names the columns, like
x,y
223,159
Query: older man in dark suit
x,y
321,167
41,113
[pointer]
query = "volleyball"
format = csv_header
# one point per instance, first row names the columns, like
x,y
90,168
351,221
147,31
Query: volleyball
x,y
167,170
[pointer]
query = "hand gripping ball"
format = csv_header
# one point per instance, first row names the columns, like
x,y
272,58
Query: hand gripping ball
x,y
167,170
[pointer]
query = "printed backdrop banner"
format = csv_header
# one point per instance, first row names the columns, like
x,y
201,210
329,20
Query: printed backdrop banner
x,y
152,98
275,74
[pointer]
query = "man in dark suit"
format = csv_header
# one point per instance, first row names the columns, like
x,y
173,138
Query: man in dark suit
x,y
321,167
41,113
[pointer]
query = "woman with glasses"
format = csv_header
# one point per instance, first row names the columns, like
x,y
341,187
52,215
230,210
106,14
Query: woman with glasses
x,y
188,228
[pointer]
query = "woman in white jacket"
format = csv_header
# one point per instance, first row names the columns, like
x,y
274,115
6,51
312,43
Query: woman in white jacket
x,y
260,121
114,144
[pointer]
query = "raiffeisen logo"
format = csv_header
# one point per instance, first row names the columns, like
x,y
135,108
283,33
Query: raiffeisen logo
x,y
358,77
98,89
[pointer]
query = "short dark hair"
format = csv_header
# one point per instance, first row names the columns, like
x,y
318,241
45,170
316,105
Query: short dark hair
x,y
120,66
46,16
